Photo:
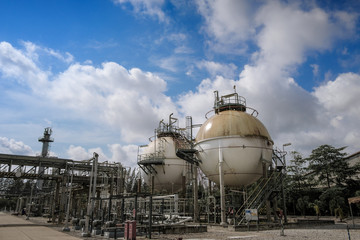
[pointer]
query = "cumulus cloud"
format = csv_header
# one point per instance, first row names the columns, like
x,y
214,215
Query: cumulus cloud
x,y
131,101
341,96
14,63
11,146
286,33
228,23
78,153
289,32
125,154
215,68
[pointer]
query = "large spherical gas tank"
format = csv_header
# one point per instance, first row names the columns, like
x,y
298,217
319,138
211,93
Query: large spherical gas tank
x,y
168,177
243,143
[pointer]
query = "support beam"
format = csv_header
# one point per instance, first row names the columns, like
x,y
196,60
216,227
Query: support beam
x,y
66,227
222,188
195,191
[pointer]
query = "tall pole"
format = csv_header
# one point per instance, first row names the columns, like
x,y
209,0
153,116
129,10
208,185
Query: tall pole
x,y
282,182
195,190
92,190
66,228
29,204
222,188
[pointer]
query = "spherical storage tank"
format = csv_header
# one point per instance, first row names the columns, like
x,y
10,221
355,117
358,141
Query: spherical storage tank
x,y
237,138
159,161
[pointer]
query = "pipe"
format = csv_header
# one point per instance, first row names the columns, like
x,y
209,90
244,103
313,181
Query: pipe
x,y
66,228
92,185
222,188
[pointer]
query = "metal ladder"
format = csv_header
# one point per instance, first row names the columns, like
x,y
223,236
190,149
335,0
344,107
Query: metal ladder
x,y
264,188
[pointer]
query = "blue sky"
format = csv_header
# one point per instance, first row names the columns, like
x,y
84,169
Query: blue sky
x,y
103,73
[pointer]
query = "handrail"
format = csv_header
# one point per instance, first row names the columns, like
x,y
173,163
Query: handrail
x,y
259,193
254,112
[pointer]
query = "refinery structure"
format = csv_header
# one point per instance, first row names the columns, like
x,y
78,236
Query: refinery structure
x,y
228,174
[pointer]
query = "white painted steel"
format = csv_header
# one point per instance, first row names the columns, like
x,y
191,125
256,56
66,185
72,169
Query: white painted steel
x,y
169,175
245,145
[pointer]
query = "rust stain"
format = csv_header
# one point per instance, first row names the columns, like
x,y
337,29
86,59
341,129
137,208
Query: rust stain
x,y
232,123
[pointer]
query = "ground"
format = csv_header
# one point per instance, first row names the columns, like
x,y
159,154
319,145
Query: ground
x,y
18,228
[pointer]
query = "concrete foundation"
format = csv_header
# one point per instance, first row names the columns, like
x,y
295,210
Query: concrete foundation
x,y
298,223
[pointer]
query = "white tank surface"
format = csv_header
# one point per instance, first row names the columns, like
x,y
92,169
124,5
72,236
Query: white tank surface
x,y
236,137
158,159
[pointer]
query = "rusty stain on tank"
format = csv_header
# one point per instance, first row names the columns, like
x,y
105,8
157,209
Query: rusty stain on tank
x,y
232,123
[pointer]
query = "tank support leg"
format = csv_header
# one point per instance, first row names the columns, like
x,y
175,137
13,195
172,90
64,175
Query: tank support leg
x,y
222,188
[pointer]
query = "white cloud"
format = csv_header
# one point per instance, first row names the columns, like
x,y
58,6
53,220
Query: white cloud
x,y
286,33
33,51
341,96
228,23
169,63
282,30
130,101
198,103
151,8
11,146
315,68
215,68
78,153
15,64
126,155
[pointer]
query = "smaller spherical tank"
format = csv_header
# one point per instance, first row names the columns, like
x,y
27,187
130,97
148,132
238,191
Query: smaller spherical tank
x,y
242,142
168,169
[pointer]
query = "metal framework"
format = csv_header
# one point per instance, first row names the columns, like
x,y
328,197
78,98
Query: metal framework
x,y
27,167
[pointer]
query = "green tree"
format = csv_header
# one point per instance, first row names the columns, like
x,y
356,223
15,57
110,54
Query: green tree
x,y
293,180
328,165
331,199
16,187
303,204
297,172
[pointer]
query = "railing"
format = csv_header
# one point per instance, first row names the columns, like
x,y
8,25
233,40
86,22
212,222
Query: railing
x,y
263,189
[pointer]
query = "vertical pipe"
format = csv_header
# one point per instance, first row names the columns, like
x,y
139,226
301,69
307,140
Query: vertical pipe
x,y
55,200
17,209
195,190
222,188
21,204
268,208
111,191
109,208
176,204
150,206
150,215
136,207
29,203
183,186
352,216
66,228
210,188
86,233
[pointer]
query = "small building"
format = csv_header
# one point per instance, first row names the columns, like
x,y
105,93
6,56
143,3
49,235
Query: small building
x,y
353,159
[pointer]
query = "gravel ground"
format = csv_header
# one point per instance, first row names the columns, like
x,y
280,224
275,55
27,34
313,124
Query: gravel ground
x,y
324,233
328,232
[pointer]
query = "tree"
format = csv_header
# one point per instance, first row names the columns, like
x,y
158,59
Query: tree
x,y
328,165
297,172
16,187
332,199
302,205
